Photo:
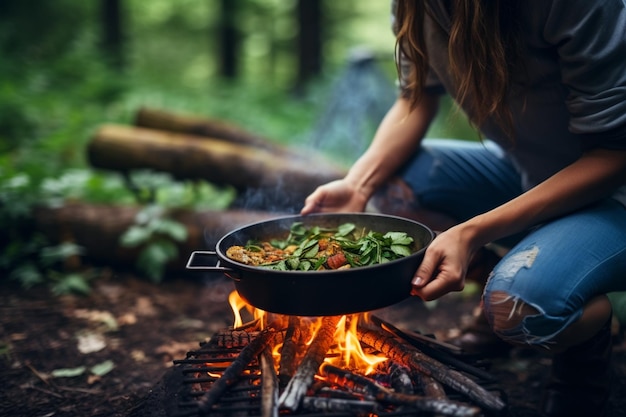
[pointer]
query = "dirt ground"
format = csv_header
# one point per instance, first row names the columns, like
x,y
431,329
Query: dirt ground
x,y
100,355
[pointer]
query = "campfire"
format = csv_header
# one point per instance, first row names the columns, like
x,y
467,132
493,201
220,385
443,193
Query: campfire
x,y
269,364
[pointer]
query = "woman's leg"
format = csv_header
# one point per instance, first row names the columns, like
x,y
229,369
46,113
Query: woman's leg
x,y
449,181
547,282
549,292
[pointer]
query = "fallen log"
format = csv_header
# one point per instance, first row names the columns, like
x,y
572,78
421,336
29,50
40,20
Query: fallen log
x,y
98,228
277,181
203,126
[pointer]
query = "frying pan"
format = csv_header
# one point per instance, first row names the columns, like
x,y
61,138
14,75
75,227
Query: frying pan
x,y
320,293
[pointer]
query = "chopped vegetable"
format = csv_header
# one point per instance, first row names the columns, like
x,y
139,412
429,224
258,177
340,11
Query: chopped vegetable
x,y
318,248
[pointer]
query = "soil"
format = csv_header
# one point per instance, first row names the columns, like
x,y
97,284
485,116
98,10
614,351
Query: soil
x,y
101,355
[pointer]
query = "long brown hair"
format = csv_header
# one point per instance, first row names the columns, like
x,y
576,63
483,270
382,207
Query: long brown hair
x,y
483,49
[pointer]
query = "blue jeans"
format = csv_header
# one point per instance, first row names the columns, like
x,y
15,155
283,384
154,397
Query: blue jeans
x,y
556,267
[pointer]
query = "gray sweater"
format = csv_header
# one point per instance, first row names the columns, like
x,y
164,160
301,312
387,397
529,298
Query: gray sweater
x,y
572,93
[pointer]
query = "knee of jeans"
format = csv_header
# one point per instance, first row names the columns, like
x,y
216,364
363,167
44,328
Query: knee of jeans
x,y
507,315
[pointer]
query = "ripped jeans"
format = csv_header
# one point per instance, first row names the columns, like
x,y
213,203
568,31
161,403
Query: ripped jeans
x,y
556,268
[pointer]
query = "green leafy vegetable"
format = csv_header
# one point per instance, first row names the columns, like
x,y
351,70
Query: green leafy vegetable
x,y
360,247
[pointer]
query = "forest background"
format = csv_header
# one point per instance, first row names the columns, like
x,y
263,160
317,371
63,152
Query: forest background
x,y
309,72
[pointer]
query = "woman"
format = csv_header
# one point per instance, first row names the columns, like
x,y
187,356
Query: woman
x,y
545,80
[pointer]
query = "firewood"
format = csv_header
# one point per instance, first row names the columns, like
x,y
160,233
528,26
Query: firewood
x,y
384,395
400,377
298,385
325,404
233,372
431,387
288,353
269,385
402,352
230,339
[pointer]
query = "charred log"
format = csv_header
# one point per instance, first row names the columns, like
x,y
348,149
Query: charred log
x,y
376,391
407,354
298,385
269,385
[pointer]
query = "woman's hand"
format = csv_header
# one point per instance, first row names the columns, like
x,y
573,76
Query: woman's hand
x,y
336,196
444,266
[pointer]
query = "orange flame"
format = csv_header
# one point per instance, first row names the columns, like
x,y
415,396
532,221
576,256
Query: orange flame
x,y
348,351
238,305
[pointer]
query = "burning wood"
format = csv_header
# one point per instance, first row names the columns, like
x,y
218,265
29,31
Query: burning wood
x,y
321,404
298,385
406,354
325,378
384,395
233,372
289,351
269,385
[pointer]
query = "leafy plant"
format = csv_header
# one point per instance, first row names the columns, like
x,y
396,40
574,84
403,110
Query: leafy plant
x,y
156,235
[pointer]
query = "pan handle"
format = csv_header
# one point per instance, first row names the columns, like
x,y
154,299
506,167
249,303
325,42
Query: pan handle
x,y
227,271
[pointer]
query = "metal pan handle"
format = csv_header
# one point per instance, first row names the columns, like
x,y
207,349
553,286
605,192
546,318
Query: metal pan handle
x,y
229,272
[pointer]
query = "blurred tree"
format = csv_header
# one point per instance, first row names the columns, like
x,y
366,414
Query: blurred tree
x,y
112,32
309,42
229,39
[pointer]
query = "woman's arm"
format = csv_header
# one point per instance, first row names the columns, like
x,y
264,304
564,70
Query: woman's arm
x,y
592,177
397,138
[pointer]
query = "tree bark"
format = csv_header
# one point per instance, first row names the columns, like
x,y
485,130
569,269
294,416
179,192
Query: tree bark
x,y
271,182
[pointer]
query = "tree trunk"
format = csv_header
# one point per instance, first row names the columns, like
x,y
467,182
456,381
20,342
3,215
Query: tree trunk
x,y
229,39
112,32
309,41
98,229
268,181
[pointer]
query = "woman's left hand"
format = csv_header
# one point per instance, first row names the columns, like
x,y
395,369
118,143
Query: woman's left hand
x,y
444,266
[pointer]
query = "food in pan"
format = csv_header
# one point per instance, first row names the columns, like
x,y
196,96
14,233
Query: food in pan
x,y
317,248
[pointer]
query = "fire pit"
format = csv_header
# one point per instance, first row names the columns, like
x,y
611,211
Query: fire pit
x,y
327,366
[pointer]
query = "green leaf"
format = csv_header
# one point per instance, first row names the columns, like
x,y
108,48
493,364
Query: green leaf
x,y
68,372
135,236
27,274
53,254
400,250
345,229
102,368
70,284
292,263
170,228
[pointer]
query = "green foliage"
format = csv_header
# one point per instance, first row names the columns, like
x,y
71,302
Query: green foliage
x,y
156,234
55,90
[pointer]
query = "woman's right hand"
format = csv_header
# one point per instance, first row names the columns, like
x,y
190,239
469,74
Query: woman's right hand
x,y
335,196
